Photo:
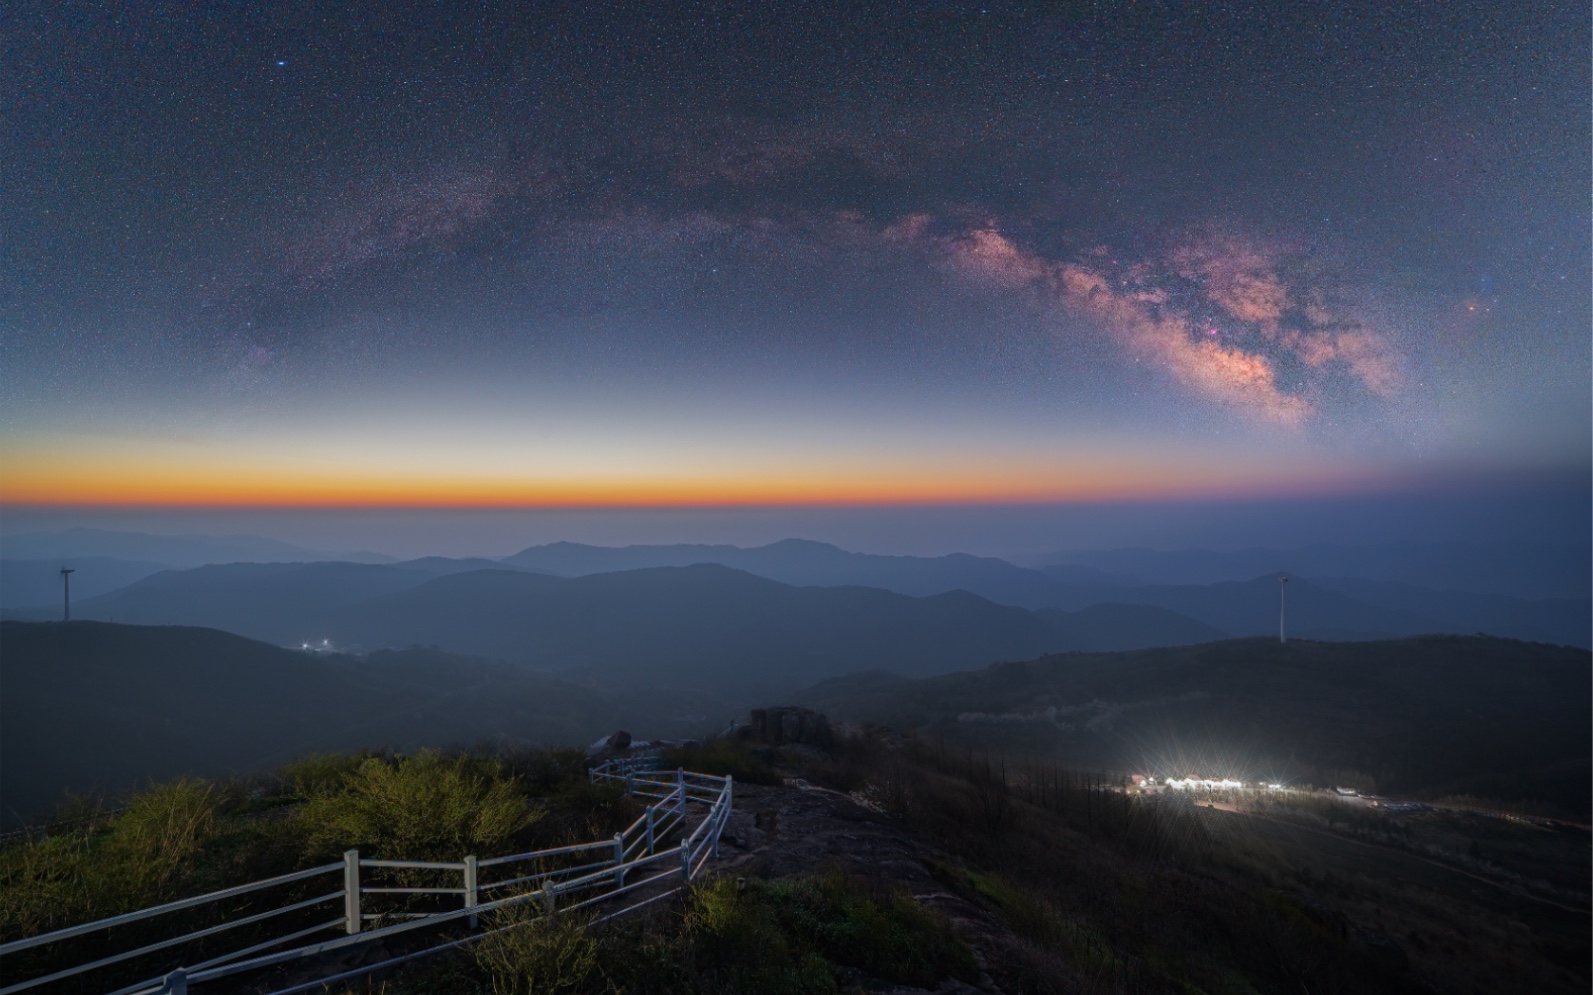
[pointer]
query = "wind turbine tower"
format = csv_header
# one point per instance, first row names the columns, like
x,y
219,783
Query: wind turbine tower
x,y
66,594
1283,608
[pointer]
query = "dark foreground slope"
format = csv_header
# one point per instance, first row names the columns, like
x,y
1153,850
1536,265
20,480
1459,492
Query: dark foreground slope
x,y
1437,715
89,705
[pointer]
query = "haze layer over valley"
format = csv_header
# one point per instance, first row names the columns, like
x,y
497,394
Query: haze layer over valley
x,y
427,601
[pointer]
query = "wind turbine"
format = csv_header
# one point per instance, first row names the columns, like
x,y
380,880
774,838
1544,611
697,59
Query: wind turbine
x,y
66,594
1283,606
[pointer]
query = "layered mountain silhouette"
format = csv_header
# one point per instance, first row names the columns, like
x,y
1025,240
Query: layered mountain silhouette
x,y
172,551
803,562
26,584
105,560
1519,570
293,602
703,625
1237,592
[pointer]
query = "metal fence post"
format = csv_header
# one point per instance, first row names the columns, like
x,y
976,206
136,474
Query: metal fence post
x,y
351,890
680,786
685,863
175,983
630,784
724,815
548,898
619,860
650,810
471,891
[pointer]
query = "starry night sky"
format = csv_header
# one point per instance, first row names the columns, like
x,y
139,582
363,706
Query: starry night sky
x,y
589,254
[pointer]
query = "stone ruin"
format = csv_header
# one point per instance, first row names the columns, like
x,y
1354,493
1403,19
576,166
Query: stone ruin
x,y
788,726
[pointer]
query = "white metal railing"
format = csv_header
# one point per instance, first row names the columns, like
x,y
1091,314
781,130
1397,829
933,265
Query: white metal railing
x,y
600,871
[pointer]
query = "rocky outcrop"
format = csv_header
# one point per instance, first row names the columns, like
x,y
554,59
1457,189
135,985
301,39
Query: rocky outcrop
x,y
789,726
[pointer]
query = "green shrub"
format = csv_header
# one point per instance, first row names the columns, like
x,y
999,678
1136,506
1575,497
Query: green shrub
x,y
425,807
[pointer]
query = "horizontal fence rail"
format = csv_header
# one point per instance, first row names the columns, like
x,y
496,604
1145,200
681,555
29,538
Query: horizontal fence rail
x,y
594,873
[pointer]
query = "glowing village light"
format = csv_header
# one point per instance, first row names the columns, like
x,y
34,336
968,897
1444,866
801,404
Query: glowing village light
x,y
1204,784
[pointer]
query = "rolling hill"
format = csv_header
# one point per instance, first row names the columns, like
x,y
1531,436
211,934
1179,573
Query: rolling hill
x,y
92,706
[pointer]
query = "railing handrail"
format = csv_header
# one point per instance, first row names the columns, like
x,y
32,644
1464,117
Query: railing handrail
x,y
434,865
633,849
177,906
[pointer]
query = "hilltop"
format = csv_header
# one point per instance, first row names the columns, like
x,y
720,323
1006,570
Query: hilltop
x,y
884,864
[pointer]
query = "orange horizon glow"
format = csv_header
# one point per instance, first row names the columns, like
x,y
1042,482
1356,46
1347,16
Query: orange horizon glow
x,y
1080,481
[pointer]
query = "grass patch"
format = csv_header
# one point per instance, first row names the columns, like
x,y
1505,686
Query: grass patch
x,y
778,932
532,954
141,859
1036,919
804,936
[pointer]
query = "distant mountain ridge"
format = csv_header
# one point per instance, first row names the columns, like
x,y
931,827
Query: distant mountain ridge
x,y
1528,571
1241,605
170,550
28,584
290,602
803,562
707,624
